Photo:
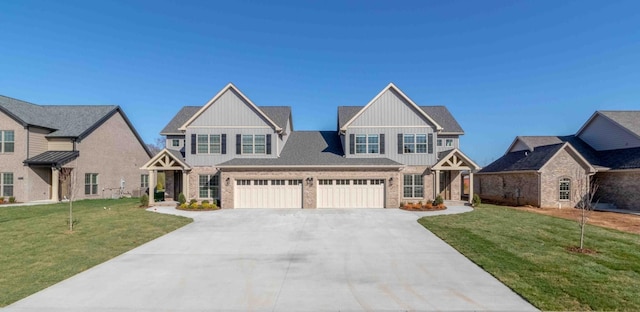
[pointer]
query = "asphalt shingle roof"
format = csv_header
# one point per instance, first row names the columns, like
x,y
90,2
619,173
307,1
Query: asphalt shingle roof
x,y
440,114
278,114
523,160
65,120
312,148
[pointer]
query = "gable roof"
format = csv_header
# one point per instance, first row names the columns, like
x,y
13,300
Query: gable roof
x,y
279,114
390,86
64,121
311,149
523,160
454,158
217,96
628,120
439,113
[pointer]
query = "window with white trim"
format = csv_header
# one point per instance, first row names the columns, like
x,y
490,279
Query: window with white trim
x,y
448,142
209,144
7,141
367,144
439,142
376,181
260,182
90,183
415,143
359,182
413,186
254,144
243,182
144,180
277,182
325,182
6,184
175,142
209,186
343,182
295,182
564,189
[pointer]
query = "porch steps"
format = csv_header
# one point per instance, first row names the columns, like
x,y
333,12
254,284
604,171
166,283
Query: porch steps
x,y
449,203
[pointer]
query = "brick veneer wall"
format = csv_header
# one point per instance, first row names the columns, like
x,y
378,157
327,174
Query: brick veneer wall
x,y
563,165
621,188
508,188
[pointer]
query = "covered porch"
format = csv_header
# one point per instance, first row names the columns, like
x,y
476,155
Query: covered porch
x,y
55,165
175,169
448,179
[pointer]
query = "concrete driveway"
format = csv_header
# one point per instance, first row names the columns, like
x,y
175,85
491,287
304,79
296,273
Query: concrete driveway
x,y
285,260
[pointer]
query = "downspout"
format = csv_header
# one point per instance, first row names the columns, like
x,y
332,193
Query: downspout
x,y
28,135
539,189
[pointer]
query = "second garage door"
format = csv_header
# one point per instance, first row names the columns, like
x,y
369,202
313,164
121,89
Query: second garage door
x,y
356,193
268,194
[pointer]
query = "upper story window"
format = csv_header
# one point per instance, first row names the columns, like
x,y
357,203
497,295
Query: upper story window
x,y
448,142
439,142
175,142
565,189
208,144
7,141
367,144
254,144
415,143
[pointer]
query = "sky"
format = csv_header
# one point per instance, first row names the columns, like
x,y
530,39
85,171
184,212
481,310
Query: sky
x,y
503,68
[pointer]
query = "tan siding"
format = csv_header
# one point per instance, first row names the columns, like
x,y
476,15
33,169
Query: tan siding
x,y
12,162
60,144
38,144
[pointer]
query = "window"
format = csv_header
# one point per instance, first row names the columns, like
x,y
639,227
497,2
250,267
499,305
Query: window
x,y
413,186
359,182
90,183
376,181
277,182
439,142
208,186
254,144
6,183
295,182
448,142
367,144
175,142
565,189
243,182
325,182
260,182
208,144
7,141
343,182
144,180
415,143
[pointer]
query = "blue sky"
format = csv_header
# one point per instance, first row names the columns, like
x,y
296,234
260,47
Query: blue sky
x,y
503,68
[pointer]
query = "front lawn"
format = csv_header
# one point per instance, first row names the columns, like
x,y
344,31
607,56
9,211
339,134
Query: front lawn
x,y
37,250
527,252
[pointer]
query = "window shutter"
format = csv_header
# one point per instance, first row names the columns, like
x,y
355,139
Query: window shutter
x,y
238,144
399,143
381,143
193,144
223,143
268,144
352,143
430,143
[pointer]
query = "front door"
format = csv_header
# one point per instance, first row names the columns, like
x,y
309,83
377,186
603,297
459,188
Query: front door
x,y
445,185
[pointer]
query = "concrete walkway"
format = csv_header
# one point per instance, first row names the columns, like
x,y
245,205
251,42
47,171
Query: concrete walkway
x,y
285,260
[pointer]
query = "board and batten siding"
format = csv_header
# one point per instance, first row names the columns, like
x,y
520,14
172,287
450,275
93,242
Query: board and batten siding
x,y
215,159
602,134
56,144
391,110
37,141
230,110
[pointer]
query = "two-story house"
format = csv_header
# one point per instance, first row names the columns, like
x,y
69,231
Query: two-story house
x,y
49,152
247,156
556,171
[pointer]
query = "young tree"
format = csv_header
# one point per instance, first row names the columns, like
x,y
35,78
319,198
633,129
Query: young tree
x,y
585,193
69,176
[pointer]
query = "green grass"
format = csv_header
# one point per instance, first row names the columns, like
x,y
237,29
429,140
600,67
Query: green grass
x,y
526,251
37,250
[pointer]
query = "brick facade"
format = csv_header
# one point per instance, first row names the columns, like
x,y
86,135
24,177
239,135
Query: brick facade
x,y
621,188
563,165
519,188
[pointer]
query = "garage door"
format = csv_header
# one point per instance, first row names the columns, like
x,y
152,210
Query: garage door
x,y
268,194
357,193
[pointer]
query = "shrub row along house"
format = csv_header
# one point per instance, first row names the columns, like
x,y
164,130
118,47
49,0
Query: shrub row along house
x,y
554,171
246,156
49,152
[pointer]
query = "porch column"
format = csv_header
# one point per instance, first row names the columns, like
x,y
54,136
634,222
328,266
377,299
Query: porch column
x,y
185,184
471,186
152,185
436,187
55,183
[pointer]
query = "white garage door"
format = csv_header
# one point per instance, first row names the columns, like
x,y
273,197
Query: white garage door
x,y
358,193
268,194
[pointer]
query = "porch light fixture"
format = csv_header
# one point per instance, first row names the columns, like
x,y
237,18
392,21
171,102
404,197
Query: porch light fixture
x,y
226,181
390,181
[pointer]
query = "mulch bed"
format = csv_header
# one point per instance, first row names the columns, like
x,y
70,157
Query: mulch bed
x,y
434,208
576,249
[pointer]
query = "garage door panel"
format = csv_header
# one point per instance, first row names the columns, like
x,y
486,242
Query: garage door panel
x,y
268,196
350,196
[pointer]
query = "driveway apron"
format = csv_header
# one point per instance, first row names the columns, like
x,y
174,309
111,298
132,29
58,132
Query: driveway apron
x,y
285,260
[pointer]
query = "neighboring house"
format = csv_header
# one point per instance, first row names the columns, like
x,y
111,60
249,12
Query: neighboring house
x,y
554,171
45,148
247,156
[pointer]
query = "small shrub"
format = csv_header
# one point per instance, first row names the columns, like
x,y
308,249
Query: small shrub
x,y
428,205
401,204
476,200
206,205
438,200
12,200
193,201
419,204
205,202
1,199
144,200
441,207
182,199
183,206
193,205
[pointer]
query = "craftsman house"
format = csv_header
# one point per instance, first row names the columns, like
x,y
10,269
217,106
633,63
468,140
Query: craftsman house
x,y
241,155
45,148
553,171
